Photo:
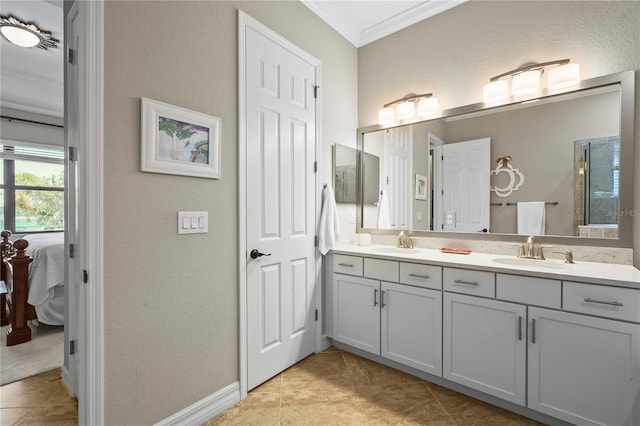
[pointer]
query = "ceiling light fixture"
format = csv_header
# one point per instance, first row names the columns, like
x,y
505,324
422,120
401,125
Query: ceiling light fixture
x,y
405,108
26,34
526,80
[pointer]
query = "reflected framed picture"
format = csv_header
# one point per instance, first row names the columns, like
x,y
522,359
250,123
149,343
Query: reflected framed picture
x,y
421,187
179,141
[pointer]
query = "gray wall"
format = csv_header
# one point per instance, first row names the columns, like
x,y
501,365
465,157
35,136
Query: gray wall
x,y
455,53
171,302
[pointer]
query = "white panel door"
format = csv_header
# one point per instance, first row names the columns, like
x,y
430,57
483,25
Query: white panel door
x,y
584,370
356,312
411,326
398,160
484,345
280,200
466,169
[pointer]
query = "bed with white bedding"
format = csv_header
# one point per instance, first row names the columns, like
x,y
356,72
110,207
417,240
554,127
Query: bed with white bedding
x,y
32,270
46,276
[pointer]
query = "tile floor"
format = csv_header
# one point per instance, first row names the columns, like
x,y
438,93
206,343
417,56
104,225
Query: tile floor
x,y
38,400
339,388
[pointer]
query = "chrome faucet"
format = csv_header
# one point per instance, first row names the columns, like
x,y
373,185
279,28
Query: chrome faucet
x,y
530,250
404,240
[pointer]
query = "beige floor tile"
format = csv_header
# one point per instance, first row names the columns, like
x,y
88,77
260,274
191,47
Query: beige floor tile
x,y
54,415
273,385
364,372
317,413
11,416
323,377
257,409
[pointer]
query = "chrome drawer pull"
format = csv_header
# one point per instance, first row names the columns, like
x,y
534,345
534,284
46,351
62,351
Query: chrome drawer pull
x,y
426,277
375,297
603,302
382,305
348,265
519,328
466,282
533,331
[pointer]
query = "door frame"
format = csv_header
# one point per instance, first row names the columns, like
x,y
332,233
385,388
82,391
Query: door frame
x,y
246,21
90,315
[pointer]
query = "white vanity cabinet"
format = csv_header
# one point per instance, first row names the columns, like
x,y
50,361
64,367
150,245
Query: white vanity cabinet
x,y
560,348
485,345
399,322
584,370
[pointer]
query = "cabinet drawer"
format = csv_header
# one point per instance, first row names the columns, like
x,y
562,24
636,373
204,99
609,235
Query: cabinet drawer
x,y
605,301
529,290
427,276
385,270
351,265
479,283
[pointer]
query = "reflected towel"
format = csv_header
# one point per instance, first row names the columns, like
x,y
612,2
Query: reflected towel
x,y
384,221
329,231
531,219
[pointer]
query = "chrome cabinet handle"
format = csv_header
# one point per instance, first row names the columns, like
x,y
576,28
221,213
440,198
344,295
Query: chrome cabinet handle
x,y
602,302
348,265
426,277
466,282
533,331
382,305
519,328
375,297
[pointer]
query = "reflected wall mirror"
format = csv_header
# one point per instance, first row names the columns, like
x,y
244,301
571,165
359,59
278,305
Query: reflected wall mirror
x,y
567,160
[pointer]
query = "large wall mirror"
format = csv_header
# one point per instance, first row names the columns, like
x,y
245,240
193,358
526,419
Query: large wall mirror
x,y
559,165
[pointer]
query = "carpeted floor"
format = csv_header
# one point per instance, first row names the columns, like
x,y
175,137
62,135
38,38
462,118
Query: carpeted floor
x,y
43,353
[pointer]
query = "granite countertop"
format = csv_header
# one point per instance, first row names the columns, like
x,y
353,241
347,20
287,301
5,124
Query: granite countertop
x,y
587,272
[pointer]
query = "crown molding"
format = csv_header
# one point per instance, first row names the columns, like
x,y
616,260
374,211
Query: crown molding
x,y
360,37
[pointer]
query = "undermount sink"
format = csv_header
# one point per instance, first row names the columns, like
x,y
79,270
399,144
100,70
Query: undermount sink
x,y
534,263
395,250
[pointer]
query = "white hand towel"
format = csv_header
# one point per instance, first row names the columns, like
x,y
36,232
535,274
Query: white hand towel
x,y
384,221
329,231
531,220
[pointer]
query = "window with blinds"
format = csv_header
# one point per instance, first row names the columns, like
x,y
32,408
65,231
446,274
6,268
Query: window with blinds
x,y
32,187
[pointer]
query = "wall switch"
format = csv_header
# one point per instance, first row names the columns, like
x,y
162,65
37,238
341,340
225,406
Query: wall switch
x,y
193,222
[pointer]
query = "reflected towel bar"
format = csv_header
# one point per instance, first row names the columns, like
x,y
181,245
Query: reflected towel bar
x,y
548,203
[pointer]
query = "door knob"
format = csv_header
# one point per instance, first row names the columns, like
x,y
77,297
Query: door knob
x,y
256,254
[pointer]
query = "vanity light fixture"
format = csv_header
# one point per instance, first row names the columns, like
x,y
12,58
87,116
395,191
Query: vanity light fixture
x,y
526,79
26,34
406,108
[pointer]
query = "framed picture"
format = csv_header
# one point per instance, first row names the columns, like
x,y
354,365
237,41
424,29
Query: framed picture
x,y
421,187
178,141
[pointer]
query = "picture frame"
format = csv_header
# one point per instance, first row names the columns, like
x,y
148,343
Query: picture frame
x,y
179,141
421,187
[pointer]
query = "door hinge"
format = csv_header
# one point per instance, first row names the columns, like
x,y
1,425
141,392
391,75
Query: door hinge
x,y
72,251
315,91
316,315
316,240
85,276
72,56
315,167
73,154
72,347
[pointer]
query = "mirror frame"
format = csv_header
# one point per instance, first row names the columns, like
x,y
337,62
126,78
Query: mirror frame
x,y
625,79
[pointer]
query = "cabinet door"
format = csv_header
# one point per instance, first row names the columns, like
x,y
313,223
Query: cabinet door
x,y
356,312
484,345
584,370
411,326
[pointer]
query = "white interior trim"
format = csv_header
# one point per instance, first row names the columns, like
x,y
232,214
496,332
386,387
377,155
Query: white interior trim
x,y
91,56
205,409
246,21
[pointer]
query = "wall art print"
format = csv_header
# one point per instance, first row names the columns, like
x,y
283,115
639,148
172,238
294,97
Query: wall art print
x,y
179,141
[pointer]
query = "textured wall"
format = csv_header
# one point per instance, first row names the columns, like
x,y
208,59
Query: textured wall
x,y
171,302
455,53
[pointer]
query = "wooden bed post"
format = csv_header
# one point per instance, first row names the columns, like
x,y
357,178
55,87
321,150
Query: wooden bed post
x,y
19,331
4,311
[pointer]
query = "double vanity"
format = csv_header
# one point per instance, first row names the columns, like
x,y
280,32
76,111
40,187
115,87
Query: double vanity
x,y
553,341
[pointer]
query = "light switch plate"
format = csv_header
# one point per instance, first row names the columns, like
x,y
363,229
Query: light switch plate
x,y
193,222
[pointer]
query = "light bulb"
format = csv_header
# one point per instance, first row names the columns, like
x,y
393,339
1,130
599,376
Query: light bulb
x,y
19,36
564,76
495,91
526,82
386,116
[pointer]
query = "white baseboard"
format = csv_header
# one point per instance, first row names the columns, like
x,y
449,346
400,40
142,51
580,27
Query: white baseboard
x,y
66,379
325,343
205,409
